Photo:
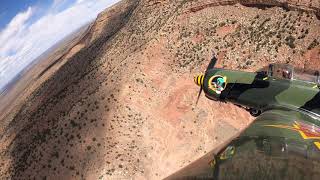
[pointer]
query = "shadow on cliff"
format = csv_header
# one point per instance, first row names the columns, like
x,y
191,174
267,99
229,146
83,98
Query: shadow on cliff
x,y
55,134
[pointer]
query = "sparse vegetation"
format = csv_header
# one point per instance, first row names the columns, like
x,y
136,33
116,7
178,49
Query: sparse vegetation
x,y
313,44
290,41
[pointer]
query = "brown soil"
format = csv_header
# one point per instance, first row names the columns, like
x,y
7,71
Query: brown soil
x,y
121,103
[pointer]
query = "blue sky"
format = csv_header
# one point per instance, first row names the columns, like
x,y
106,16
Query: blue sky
x,y
29,27
10,8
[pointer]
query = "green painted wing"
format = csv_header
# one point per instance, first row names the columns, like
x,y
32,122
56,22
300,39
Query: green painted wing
x,y
279,144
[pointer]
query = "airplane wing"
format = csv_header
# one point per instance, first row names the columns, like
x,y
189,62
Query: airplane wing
x,y
279,144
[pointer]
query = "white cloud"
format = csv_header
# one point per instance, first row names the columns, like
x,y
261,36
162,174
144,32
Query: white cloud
x,y
16,26
21,43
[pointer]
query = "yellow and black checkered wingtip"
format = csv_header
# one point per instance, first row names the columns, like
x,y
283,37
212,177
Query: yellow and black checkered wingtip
x,y
199,79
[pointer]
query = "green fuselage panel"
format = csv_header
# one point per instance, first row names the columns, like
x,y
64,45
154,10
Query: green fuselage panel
x,y
262,92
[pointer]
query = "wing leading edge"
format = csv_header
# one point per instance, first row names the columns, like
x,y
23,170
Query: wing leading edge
x,y
279,144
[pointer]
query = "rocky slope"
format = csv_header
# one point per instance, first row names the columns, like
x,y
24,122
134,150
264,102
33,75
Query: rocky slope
x,y
123,103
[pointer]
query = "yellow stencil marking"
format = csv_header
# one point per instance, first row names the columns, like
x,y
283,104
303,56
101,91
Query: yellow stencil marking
x,y
317,144
295,127
282,127
213,163
202,77
227,153
304,136
303,130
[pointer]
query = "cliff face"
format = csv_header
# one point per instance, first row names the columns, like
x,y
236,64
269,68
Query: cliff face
x,y
300,5
123,103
